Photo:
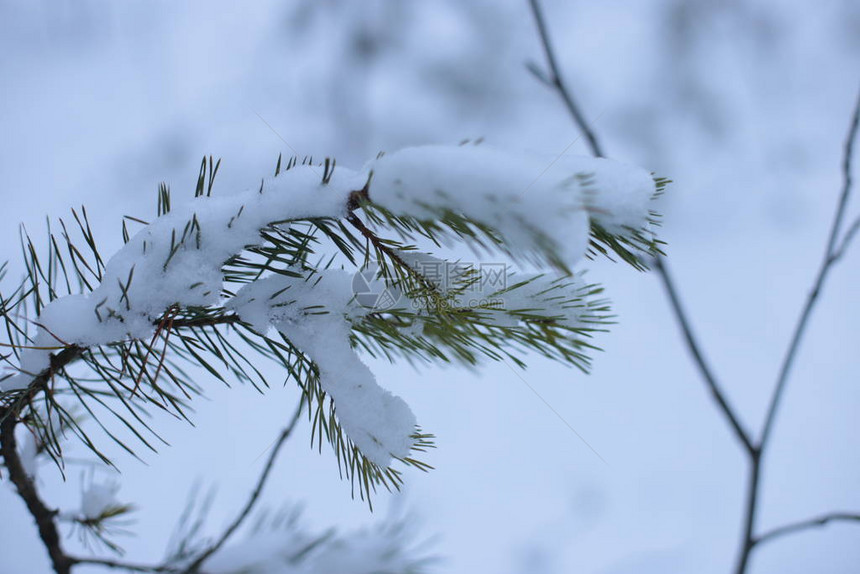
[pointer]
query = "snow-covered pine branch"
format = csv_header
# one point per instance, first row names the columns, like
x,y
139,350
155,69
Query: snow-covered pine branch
x,y
236,274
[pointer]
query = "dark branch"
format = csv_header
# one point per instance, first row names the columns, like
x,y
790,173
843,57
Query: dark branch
x,y
255,495
205,322
846,240
72,353
807,524
695,351
555,80
831,255
750,512
391,253
44,516
835,250
40,381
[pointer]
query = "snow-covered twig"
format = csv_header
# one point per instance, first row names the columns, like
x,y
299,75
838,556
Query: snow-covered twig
x,y
240,265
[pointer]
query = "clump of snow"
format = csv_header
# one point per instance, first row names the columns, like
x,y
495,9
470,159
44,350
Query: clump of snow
x,y
617,195
314,314
536,203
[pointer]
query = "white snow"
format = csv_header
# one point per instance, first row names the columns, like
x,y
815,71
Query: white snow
x,y
529,199
139,282
536,203
314,314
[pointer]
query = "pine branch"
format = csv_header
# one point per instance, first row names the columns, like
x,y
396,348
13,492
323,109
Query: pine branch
x,y
392,254
40,381
263,273
72,353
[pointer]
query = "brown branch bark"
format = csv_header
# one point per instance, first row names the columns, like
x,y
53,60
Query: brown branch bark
x,y
391,253
43,515
26,488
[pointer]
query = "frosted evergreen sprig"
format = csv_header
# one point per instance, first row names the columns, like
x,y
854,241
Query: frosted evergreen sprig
x,y
220,281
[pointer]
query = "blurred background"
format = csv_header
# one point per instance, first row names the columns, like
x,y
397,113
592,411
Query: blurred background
x,y
744,104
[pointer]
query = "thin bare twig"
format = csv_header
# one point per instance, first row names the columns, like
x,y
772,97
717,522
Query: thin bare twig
x,y
252,500
748,539
835,250
698,357
831,255
846,240
816,522
554,79
557,82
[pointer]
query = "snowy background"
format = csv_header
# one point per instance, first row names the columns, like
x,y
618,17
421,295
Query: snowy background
x,y
743,104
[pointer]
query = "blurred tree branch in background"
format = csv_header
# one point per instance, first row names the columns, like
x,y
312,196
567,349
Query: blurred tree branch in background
x,y
836,247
